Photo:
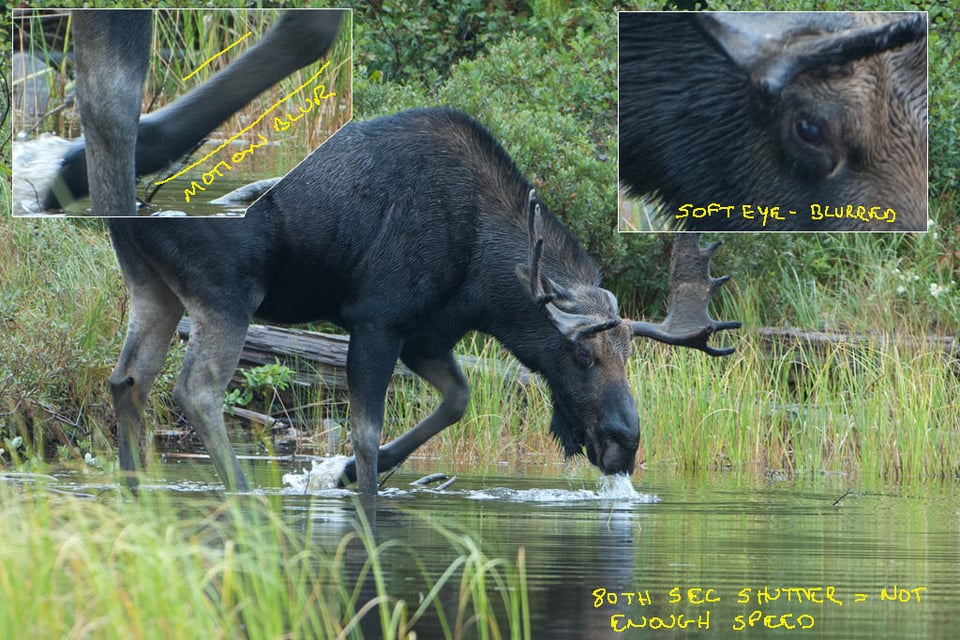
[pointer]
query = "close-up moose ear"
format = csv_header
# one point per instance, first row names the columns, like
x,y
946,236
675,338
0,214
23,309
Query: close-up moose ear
x,y
773,121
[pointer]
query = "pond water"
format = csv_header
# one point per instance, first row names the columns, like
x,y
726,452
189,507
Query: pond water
x,y
712,556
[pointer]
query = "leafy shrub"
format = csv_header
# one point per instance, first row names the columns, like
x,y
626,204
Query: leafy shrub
x,y
548,92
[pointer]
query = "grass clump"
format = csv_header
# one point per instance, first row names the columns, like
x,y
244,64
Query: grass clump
x,y
75,567
881,409
59,332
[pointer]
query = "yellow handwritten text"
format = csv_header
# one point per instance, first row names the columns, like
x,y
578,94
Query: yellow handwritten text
x,y
770,215
764,595
693,596
858,212
603,597
208,177
901,594
760,607
249,126
319,95
620,622
786,621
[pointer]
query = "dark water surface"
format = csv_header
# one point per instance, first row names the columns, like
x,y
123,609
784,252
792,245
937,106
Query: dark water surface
x,y
706,557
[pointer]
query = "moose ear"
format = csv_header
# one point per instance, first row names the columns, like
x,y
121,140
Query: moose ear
x,y
542,292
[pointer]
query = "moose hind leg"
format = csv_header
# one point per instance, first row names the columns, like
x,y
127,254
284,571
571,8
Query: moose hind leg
x,y
211,360
154,312
445,375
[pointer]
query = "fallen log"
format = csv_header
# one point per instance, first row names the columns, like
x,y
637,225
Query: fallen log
x,y
777,340
321,358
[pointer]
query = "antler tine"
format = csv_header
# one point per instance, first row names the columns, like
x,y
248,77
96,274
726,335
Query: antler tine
x,y
688,322
535,227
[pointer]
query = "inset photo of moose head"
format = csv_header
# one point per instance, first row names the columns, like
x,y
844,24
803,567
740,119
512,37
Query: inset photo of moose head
x,y
171,112
773,121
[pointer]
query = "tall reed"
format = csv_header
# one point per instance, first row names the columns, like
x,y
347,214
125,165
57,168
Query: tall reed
x,y
74,567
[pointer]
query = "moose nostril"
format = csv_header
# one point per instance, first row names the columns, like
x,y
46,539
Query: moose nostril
x,y
615,458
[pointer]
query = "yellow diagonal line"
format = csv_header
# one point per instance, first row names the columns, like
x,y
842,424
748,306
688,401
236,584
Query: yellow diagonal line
x,y
213,57
248,127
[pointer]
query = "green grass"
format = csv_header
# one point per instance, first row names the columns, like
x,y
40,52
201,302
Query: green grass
x,y
62,301
82,567
884,410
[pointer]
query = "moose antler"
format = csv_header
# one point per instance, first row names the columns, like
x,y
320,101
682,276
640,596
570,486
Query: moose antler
x,y
584,311
688,322
563,306
535,229
774,62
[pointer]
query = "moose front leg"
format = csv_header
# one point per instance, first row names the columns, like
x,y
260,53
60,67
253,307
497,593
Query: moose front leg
x,y
445,375
370,362
112,54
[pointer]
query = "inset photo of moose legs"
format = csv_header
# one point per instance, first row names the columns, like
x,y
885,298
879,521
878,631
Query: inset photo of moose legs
x,y
171,112
773,121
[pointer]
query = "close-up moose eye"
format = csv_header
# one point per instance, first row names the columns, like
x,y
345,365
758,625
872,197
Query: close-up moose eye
x,y
811,130
584,355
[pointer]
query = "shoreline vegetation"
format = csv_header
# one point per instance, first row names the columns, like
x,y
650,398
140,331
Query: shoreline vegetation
x,y
884,407
75,567
877,409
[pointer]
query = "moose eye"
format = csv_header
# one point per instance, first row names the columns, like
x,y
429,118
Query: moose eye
x,y
811,130
584,355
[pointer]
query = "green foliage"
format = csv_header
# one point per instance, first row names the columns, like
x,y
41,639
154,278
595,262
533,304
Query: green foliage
x,y
420,41
548,92
265,382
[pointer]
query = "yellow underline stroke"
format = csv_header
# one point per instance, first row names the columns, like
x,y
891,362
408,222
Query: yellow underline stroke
x,y
247,128
213,57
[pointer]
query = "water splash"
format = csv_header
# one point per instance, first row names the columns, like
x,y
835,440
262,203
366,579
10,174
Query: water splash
x,y
35,165
620,487
611,488
322,475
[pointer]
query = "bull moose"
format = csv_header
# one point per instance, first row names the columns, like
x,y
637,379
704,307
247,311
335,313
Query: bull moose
x,y
408,231
782,121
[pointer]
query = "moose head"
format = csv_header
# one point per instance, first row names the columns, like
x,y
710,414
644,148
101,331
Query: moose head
x,y
594,410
